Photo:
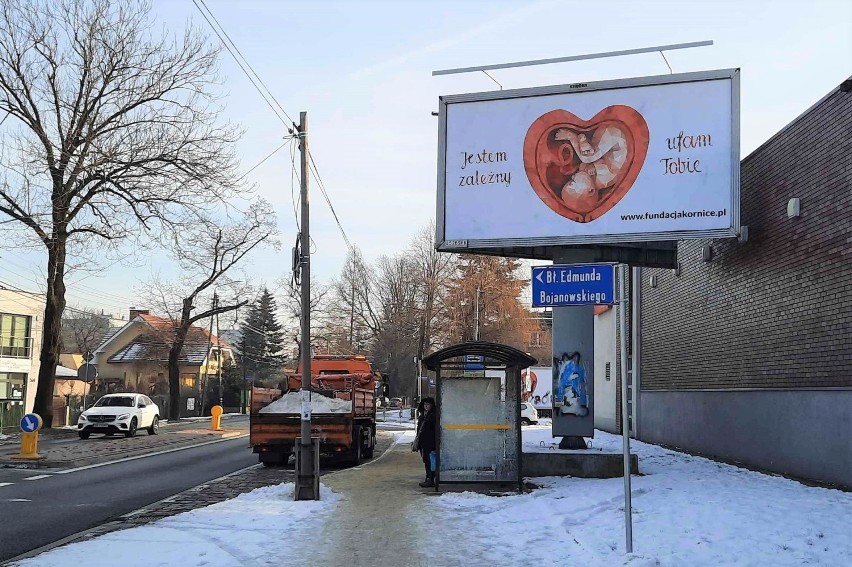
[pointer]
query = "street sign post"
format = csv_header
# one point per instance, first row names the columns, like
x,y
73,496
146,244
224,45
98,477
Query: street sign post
x,y
87,373
593,284
578,284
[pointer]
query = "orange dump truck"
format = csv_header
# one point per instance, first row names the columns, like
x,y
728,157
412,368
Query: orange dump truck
x,y
343,411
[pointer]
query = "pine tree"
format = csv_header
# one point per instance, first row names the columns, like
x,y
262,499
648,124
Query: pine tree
x,y
262,343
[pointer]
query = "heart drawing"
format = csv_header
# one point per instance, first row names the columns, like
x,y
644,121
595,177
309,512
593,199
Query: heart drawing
x,y
582,168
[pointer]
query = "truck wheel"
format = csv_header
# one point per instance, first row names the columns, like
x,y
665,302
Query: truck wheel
x,y
355,451
370,449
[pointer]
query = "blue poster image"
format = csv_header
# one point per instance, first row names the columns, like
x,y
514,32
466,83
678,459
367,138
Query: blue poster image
x,y
570,378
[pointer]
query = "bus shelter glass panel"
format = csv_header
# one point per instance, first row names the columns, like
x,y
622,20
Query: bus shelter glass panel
x,y
478,428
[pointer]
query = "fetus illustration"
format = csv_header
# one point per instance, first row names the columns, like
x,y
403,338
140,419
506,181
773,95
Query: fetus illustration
x,y
580,168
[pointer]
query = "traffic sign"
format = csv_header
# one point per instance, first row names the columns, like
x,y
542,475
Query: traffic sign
x,y
31,422
87,372
578,284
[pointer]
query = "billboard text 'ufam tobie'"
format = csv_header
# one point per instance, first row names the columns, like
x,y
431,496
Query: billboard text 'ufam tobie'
x,y
647,159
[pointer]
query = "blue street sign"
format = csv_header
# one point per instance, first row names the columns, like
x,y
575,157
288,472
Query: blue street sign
x,y
474,366
30,422
579,284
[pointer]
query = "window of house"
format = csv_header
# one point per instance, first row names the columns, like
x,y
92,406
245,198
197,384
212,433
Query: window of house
x,y
15,339
187,380
608,372
12,385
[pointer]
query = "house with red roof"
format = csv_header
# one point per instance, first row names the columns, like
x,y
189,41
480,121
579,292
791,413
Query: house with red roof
x,y
134,358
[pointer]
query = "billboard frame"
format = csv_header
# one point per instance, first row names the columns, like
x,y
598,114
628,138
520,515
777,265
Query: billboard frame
x,y
489,245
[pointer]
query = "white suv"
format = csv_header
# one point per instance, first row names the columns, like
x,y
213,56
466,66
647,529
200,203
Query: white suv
x,y
120,413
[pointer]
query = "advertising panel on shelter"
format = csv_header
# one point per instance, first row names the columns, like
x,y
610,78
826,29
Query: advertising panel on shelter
x,y
648,159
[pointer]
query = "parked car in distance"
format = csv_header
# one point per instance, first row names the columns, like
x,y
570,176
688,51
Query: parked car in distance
x,y
396,402
529,415
120,413
382,402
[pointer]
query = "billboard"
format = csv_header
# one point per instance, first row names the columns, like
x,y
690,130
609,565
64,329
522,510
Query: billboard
x,y
634,160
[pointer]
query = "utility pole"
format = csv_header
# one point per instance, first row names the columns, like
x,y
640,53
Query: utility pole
x,y
307,474
244,397
207,358
219,360
476,316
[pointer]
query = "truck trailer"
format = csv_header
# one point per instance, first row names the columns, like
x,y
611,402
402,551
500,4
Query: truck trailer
x,y
343,411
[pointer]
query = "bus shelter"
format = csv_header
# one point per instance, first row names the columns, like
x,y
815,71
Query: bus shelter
x,y
478,387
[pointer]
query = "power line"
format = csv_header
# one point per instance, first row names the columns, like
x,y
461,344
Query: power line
x,y
231,51
327,200
228,45
261,162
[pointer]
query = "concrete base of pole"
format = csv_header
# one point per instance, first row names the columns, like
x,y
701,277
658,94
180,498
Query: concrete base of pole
x,y
573,442
307,470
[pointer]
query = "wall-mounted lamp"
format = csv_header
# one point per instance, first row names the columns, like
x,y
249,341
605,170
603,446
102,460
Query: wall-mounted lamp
x,y
653,281
707,253
794,208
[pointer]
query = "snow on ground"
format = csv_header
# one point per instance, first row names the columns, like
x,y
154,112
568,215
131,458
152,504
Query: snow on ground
x,y
252,529
686,511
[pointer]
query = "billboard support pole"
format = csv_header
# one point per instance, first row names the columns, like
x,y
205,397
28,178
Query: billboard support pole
x,y
625,425
601,55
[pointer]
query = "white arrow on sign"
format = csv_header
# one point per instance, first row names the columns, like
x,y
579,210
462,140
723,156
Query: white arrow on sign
x,y
538,277
31,425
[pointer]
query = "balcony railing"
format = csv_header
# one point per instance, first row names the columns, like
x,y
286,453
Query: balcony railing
x,y
15,347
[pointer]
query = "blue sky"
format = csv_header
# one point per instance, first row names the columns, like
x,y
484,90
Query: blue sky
x,y
362,70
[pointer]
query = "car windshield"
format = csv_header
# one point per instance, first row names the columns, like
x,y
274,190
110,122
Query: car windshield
x,y
115,401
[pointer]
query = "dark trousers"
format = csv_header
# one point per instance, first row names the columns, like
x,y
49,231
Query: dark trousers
x,y
427,463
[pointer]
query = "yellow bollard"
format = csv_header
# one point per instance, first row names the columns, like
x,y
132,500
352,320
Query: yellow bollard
x,y
216,421
30,425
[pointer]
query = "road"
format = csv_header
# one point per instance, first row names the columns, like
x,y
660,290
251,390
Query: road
x,y
38,507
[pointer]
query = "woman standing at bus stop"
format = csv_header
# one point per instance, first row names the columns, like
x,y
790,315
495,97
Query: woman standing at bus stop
x,y
426,440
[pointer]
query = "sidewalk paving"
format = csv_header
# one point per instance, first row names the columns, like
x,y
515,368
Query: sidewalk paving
x,y
62,448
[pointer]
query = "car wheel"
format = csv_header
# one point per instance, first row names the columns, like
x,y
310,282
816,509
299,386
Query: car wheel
x,y
155,426
525,421
132,431
84,435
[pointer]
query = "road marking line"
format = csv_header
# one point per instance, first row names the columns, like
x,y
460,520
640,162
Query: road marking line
x,y
38,477
18,500
6,483
96,465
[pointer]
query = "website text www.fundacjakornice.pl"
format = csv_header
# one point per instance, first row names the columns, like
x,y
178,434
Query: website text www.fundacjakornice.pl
x,y
672,215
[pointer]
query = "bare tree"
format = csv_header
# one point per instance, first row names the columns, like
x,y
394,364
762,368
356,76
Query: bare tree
x,y
82,330
322,321
111,128
208,254
435,270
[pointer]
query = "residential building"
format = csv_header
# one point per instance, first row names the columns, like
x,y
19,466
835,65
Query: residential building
x,y
134,357
21,320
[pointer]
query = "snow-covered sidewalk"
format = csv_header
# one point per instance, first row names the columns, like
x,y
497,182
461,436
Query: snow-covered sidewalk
x,y
687,511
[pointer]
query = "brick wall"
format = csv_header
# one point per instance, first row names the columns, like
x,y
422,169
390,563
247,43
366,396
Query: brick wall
x,y
776,311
